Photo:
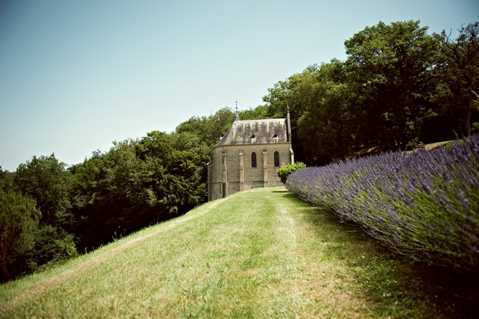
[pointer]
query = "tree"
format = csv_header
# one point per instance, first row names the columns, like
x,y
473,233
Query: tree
x,y
459,75
390,74
323,125
137,183
327,126
398,87
18,230
45,180
209,129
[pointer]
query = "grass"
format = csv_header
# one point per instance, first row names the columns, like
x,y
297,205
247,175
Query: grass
x,y
256,254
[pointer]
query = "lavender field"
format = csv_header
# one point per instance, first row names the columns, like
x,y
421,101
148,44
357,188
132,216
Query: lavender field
x,y
424,205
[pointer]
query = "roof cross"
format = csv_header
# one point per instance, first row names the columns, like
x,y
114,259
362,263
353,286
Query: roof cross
x,y
236,111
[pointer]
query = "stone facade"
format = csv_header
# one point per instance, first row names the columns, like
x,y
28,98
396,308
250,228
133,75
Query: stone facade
x,y
249,156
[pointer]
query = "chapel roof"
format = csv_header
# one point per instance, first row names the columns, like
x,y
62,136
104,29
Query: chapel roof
x,y
265,131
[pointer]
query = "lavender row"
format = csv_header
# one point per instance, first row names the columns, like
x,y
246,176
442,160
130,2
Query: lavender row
x,y
424,205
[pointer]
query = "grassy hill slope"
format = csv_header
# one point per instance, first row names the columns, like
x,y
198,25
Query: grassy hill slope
x,y
260,254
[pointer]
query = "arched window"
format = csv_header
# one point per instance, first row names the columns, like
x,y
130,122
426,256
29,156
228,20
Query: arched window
x,y
275,138
276,159
253,159
253,138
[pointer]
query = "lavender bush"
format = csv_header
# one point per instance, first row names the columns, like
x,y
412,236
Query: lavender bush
x,y
424,205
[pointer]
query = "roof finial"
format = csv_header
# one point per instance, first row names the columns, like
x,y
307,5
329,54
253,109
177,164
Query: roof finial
x,y
236,111
288,122
288,119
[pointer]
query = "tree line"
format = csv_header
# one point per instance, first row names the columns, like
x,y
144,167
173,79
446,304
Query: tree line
x,y
398,87
49,213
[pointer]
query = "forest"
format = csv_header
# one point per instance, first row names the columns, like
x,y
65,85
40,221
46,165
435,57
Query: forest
x,y
399,87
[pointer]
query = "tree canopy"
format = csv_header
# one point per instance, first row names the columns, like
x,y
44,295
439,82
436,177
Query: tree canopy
x,y
398,87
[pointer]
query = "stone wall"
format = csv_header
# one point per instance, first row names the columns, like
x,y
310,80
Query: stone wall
x,y
230,168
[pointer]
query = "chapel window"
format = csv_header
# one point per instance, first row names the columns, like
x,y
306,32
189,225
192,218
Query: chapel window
x,y
253,138
253,159
275,138
276,159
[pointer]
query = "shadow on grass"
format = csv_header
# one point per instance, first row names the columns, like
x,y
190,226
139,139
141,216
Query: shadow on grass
x,y
392,282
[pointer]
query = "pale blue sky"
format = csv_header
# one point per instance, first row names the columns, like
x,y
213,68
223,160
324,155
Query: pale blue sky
x,y
77,75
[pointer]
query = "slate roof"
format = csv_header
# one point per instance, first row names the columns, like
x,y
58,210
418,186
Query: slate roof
x,y
266,131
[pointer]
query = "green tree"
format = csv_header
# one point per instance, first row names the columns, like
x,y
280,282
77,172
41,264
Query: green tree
x,y
137,183
18,231
390,76
209,129
458,90
323,124
45,180
259,112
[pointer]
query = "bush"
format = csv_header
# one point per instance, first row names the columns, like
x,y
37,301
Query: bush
x,y
285,170
424,205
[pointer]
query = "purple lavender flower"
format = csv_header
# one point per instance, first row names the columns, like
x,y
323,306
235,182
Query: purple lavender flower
x,y
424,205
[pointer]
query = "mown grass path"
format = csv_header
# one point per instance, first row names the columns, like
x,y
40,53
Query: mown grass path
x,y
256,254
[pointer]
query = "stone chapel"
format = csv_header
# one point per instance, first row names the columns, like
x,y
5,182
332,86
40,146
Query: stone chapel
x,y
249,156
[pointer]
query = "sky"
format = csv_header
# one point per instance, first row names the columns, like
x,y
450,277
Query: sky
x,y
77,75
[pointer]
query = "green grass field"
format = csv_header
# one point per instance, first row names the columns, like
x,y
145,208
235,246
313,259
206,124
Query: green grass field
x,y
255,254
